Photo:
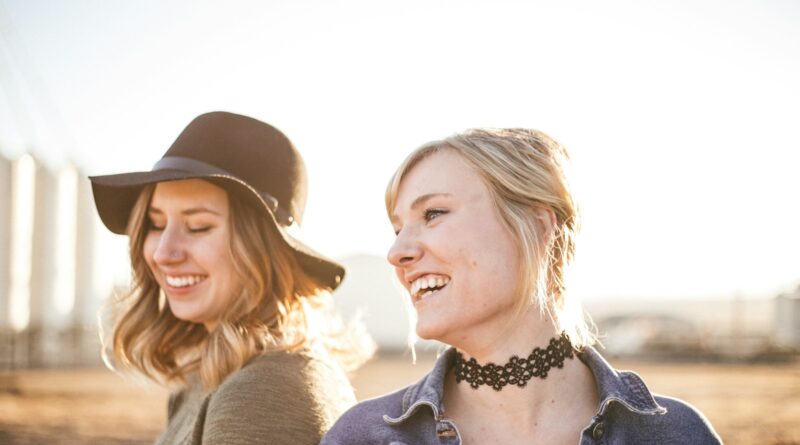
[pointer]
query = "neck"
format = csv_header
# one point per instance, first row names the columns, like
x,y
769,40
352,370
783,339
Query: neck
x,y
537,410
518,336
518,370
540,401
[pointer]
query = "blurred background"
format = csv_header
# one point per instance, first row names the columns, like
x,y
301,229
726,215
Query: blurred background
x,y
682,119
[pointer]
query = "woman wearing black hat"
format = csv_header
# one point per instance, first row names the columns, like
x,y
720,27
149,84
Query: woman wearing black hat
x,y
225,304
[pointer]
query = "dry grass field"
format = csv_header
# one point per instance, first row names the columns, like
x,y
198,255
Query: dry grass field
x,y
748,404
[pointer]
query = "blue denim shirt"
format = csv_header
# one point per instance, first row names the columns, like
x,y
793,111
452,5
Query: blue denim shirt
x,y
627,413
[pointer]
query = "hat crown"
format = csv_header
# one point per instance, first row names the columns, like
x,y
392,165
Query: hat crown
x,y
250,150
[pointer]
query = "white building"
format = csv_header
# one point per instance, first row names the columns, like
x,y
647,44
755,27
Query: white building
x,y
787,318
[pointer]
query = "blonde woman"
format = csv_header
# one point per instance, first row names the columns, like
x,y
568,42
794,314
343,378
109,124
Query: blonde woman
x,y
226,306
485,226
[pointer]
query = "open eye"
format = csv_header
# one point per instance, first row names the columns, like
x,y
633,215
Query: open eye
x,y
434,213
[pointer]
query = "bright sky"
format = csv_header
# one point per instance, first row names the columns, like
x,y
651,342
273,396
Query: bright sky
x,y
682,117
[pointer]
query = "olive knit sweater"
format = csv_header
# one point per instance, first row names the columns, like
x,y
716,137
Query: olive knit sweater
x,y
278,398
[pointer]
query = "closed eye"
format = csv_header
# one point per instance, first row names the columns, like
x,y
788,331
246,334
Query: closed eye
x,y
154,227
200,229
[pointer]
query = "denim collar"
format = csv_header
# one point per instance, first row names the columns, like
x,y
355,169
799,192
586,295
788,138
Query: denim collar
x,y
623,387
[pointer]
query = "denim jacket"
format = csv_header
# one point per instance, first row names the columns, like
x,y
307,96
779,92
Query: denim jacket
x,y
627,413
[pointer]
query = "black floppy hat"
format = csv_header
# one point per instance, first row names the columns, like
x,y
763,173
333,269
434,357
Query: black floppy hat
x,y
247,157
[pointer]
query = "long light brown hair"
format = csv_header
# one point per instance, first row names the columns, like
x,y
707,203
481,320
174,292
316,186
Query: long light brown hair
x,y
280,308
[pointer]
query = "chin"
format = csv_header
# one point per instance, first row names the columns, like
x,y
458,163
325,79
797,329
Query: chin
x,y
187,318
427,331
186,314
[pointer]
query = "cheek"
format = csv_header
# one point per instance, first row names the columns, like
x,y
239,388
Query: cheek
x,y
231,284
493,254
219,255
148,249
215,257
477,251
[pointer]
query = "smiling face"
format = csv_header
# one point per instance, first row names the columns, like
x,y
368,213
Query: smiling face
x,y
453,253
187,249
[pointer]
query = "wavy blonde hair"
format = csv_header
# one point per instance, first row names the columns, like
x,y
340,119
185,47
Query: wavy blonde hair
x,y
524,170
281,308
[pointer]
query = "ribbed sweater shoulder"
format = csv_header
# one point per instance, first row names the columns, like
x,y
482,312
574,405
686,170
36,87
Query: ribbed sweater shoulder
x,y
277,398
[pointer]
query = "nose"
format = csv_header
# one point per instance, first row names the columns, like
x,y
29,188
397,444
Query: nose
x,y
170,249
405,251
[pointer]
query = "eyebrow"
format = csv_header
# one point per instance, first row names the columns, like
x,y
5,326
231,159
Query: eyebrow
x,y
421,200
188,212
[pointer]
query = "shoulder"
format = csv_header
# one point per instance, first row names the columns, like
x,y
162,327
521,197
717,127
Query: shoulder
x,y
364,422
278,395
176,400
629,410
286,380
279,372
261,382
270,368
674,422
684,417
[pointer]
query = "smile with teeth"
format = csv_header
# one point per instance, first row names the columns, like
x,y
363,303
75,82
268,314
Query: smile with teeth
x,y
184,280
427,285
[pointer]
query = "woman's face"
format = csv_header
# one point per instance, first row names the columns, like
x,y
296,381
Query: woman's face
x,y
453,253
187,249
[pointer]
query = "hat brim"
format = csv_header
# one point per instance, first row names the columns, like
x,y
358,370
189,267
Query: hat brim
x,y
115,196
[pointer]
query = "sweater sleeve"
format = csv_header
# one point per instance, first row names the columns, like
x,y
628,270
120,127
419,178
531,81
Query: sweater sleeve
x,y
273,400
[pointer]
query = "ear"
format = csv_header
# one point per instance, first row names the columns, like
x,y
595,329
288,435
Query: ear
x,y
546,219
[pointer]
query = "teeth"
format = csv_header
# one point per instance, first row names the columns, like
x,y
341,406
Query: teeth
x,y
428,282
183,281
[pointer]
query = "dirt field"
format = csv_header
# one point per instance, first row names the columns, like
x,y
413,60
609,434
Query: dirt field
x,y
747,404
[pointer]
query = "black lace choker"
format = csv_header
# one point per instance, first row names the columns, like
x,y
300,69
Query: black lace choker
x,y
518,370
